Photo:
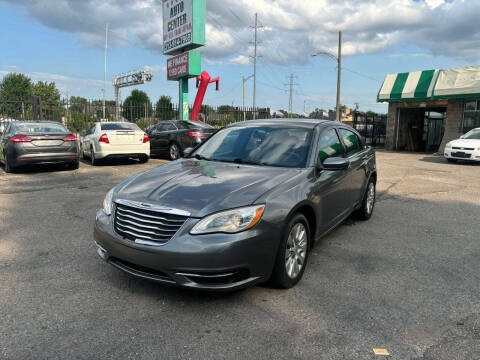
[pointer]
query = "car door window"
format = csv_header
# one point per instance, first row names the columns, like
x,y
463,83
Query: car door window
x,y
160,127
329,145
351,141
169,127
92,130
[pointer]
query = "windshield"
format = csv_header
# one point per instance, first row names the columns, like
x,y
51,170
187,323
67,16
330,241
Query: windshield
x,y
119,126
28,128
472,134
262,145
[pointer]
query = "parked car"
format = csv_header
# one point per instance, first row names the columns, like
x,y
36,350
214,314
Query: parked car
x,y
244,207
37,142
465,148
172,137
115,139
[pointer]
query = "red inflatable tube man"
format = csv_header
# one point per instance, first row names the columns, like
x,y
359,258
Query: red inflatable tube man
x,y
202,85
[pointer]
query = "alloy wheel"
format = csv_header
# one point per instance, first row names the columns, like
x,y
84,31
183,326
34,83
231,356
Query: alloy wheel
x,y
370,197
296,250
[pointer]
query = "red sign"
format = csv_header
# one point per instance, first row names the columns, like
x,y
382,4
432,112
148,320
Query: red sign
x,y
177,66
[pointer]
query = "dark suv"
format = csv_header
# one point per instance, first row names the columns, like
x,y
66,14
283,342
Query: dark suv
x,y
244,207
172,137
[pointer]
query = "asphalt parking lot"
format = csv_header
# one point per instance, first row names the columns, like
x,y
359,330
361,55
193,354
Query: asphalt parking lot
x,y
407,280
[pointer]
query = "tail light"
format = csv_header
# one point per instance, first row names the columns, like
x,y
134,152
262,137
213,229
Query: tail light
x,y
104,139
145,138
21,139
70,138
196,134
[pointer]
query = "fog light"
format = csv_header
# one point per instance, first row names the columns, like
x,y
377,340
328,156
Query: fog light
x,y
101,252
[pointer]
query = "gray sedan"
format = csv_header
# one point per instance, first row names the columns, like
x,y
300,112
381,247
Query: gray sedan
x,y
244,207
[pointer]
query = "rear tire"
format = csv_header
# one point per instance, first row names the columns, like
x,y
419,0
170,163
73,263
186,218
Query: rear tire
x,y
368,203
143,159
93,161
75,165
8,169
174,151
453,161
292,254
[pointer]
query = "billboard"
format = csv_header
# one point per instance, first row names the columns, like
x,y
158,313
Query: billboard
x,y
183,25
188,64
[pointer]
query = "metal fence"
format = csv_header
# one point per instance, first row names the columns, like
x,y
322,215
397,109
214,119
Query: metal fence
x,y
371,126
79,116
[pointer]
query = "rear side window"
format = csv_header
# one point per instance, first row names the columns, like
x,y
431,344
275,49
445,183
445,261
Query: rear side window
x,y
119,126
329,145
31,128
351,141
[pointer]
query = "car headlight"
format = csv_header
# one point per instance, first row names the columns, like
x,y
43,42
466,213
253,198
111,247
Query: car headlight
x,y
230,221
107,203
449,145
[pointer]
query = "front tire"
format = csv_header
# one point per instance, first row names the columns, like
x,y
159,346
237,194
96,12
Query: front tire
x,y
293,253
174,151
368,203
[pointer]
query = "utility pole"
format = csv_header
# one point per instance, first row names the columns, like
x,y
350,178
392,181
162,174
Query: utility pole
x,y
105,69
291,84
339,74
255,68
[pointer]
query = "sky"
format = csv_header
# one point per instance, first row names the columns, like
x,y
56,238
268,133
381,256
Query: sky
x,y
63,41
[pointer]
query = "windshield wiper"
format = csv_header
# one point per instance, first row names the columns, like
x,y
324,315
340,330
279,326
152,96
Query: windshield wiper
x,y
247,162
201,157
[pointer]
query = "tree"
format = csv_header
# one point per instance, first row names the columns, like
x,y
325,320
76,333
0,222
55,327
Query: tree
x,y
48,92
15,87
15,91
134,105
164,108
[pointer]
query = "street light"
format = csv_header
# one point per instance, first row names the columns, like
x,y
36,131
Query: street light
x,y
338,59
244,80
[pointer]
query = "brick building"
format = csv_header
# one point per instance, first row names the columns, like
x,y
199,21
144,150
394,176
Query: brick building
x,y
427,109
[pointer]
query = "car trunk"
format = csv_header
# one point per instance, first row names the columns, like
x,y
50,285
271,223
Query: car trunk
x,y
124,137
46,143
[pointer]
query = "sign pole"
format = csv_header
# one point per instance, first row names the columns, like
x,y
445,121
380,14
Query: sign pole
x,y
183,106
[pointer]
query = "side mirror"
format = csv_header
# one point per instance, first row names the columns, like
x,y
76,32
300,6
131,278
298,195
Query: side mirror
x,y
187,152
336,163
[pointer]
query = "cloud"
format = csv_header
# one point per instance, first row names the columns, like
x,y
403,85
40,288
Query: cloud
x,y
290,32
240,60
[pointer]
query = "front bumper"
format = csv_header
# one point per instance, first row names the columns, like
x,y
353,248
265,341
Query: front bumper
x,y
217,262
458,154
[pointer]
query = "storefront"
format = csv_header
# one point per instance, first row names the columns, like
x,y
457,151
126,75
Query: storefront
x,y
427,109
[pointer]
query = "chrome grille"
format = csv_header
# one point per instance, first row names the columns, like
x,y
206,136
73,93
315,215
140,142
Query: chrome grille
x,y
146,226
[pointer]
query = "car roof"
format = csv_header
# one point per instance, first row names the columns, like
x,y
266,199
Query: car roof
x,y
35,122
305,123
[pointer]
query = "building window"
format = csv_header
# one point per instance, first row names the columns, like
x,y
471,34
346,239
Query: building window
x,y
471,115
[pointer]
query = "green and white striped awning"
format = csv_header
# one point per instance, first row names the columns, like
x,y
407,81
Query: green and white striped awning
x,y
411,86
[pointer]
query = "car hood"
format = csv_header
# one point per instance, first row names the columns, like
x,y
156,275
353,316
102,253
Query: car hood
x,y
203,187
466,143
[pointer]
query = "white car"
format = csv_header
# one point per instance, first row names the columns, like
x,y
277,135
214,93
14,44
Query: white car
x,y
465,148
115,139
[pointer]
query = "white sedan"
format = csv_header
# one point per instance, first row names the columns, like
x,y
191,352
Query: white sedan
x,y
465,148
115,139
